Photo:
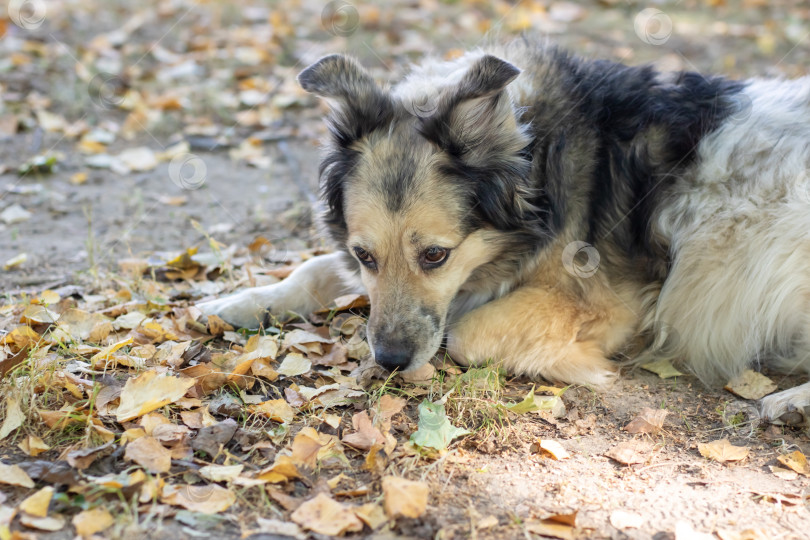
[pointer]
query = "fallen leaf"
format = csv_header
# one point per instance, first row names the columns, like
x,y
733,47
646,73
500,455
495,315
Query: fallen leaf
x,y
294,364
149,454
722,451
51,524
372,514
38,503
83,458
751,385
628,452
535,403
279,529
15,261
550,528
211,439
90,522
795,461
647,421
324,515
33,446
282,470
14,416
435,430
13,475
148,392
221,473
404,498
365,435
622,519
207,499
274,409
784,474
663,368
552,449
305,448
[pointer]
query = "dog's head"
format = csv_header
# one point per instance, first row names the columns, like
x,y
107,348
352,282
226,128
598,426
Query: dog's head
x,y
423,186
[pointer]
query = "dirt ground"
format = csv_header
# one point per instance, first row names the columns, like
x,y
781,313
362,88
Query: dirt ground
x,y
227,154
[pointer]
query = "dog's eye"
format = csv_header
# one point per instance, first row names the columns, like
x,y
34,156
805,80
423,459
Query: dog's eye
x,y
365,257
435,256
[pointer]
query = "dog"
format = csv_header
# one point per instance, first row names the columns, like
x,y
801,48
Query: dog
x,y
523,206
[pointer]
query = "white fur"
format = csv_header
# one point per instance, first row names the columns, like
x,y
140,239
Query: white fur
x,y
739,230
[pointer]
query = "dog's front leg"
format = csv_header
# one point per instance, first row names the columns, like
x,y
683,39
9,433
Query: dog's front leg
x,y
312,286
533,331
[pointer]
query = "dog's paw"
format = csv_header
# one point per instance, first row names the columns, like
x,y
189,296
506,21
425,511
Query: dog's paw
x,y
240,310
789,407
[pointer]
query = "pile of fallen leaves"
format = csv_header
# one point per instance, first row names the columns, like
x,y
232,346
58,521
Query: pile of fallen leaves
x,y
119,394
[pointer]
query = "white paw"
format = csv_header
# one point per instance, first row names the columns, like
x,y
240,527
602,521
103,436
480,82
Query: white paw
x,y
240,310
791,407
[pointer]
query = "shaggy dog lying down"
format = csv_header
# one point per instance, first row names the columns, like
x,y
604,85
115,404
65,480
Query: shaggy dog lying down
x,y
549,213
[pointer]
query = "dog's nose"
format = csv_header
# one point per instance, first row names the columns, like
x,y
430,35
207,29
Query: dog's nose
x,y
392,358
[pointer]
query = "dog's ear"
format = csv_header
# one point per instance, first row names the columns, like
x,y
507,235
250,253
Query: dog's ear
x,y
475,119
359,105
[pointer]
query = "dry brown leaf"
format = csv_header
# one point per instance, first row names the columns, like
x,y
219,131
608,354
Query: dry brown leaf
x,y
221,473
404,498
552,449
149,454
38,503
722,451
647,421
33,446
93,521
324,515
14,476
207,499
751,385
14,416
365,435
550,528
282,470
50,524
628,452
305,448
795,461
784,474
274,409
148,392
372,514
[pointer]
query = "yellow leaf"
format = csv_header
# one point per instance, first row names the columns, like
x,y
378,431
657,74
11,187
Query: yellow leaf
x,y
281,470
221,473
51,524
751,385
722,451
14,476
207,499
38,503
553,449
17,260
274,409
149,454
104,354
404,498
148,392
305,448
33,446
93,521
324,515
14,416
795,461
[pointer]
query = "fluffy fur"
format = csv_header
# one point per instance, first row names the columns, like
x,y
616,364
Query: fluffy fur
x,y
581,211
